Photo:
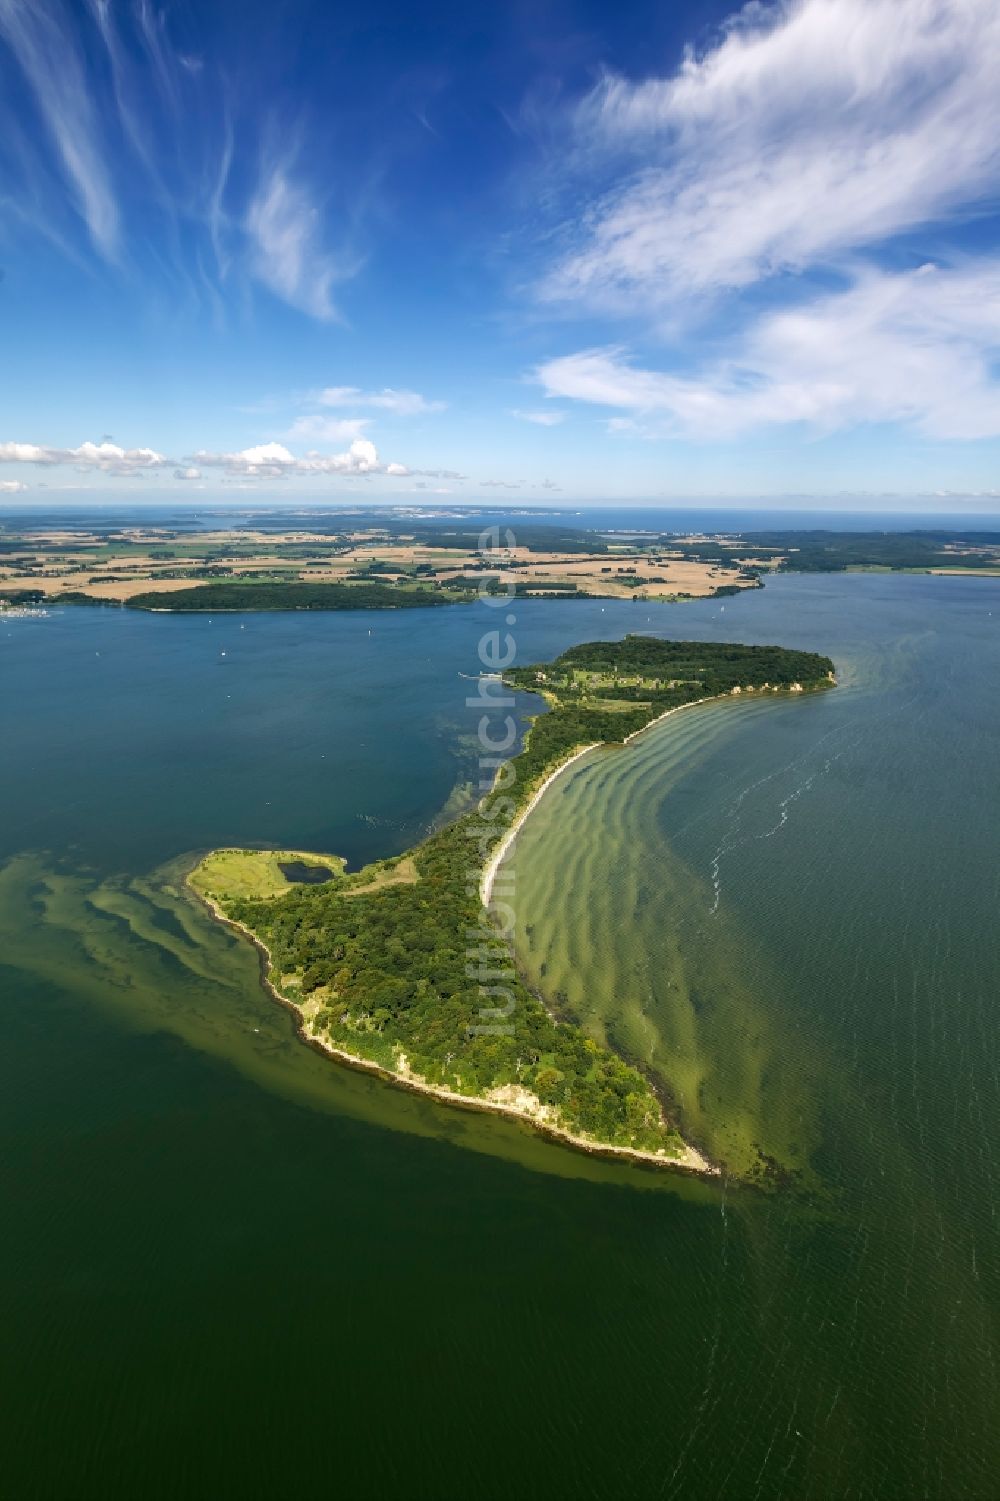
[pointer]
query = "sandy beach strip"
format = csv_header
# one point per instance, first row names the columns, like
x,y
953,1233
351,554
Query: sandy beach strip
x,y
710,699
500,853
496,859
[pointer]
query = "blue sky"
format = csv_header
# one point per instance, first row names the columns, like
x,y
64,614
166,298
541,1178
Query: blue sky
x,y
542,252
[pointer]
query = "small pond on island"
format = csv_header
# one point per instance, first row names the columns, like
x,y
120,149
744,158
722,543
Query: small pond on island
x,y
307,875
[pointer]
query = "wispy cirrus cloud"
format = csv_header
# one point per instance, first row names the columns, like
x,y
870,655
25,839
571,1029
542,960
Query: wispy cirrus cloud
x,y
920,349
400,403
51,63
321,427
812,129
519,484
130,85
318,428
541,418
285,227
164,158
401,469
793,151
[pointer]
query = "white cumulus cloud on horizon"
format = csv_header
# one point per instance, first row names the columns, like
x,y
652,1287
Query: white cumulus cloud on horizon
x,y
107,457
274,461
267,460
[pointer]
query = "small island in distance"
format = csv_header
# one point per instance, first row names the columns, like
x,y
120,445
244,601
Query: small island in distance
x,y
376,963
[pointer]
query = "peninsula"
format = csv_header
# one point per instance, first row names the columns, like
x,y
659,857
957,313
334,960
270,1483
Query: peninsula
x,y
386,967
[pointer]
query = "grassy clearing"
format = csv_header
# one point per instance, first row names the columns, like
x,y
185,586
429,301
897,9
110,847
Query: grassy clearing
x,y
402,872
227,875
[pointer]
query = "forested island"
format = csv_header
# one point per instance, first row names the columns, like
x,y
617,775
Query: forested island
x,y
817,551
377,963
212,599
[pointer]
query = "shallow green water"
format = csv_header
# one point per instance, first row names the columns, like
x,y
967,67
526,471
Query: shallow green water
x,y
230,1268
626,937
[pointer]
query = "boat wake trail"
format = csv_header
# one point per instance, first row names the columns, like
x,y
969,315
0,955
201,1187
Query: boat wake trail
x,y
737,836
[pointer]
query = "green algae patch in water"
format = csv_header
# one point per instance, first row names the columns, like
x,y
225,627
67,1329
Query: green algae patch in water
x,y
147,953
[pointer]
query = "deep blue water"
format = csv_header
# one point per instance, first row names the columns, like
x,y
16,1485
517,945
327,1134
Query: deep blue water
x,y
232,1269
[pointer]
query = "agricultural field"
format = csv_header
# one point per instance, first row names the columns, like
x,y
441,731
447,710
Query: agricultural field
x,y
122,565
